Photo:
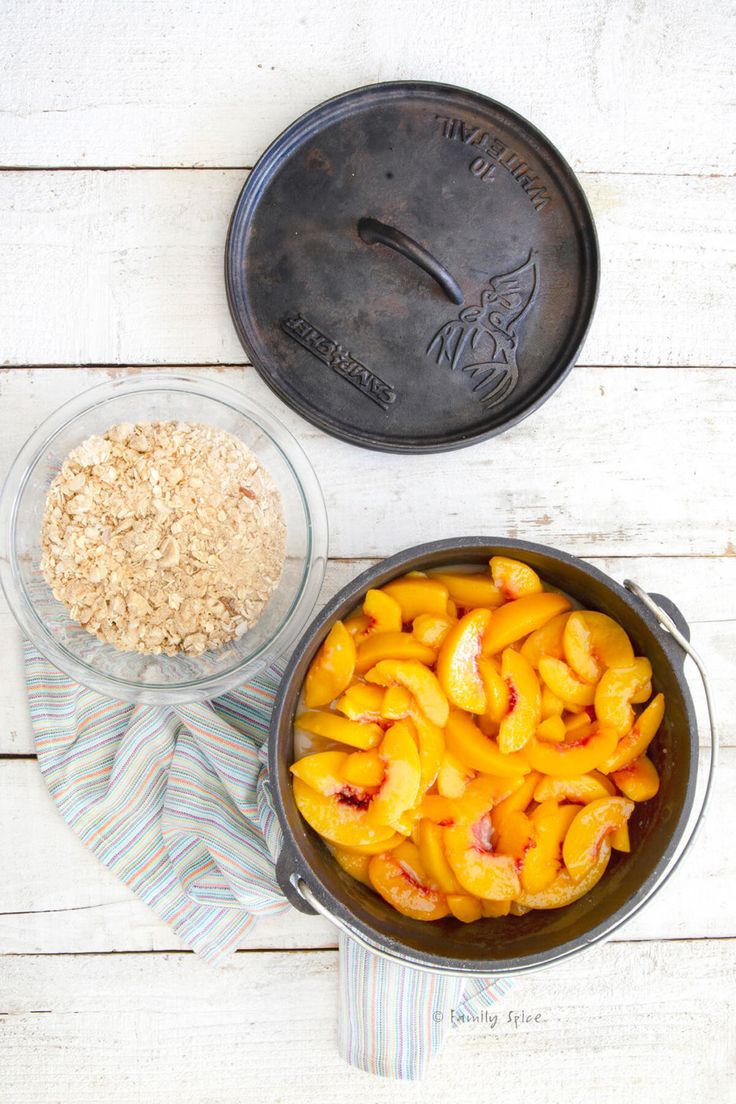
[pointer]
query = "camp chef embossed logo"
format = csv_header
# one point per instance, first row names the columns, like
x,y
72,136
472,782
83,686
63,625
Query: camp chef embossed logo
x,y
337,357
482,340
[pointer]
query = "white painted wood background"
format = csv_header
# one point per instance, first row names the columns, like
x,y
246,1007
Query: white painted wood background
x,y
126,131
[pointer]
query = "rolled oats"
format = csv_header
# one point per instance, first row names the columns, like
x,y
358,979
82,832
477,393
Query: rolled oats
x,y
163,537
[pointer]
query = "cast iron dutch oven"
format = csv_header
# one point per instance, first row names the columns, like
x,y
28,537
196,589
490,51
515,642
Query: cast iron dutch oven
x,y
660,828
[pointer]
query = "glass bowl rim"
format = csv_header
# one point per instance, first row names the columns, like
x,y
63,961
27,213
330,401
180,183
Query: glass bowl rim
x,y
305,480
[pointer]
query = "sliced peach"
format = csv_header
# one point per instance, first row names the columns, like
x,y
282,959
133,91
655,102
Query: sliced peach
x,y
417,594
513,578
397,703
482,794
432,852
617,689
432,628
457,662
574,722
361,702
552,729
580,789
636,742
440,810
453,776
401,879
471,590
419,681
377,847
431,741
479,869
494,908
516,619
638,780
400,787
383,611
643,694
357,626
342,817
525,702
465,740
517,801
452,610
362,768
592,642
464,907
331,670
552,706
516,838
354,863
542,863
563,890
546,641
590,827
497,691
564,683
566,760
333,727
391,645
323,771
620,840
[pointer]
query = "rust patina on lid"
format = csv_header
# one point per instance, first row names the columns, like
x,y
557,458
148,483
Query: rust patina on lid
x,y
412,267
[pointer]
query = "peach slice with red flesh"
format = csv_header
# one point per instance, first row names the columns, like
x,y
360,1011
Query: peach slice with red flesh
x,y
546,641
341,817
465,740
363,768
580,789
617,689
637,740
323,771
471,590
432,852
593,823
417,594
383,612
517,619
563,890
480,870
357,627
638,780
419,681
564,683
391,645
331,726
401,879
432,628
362,702
400,787
457,662
524,702
331,670
513,578
593,642
542,863
591,746
516,838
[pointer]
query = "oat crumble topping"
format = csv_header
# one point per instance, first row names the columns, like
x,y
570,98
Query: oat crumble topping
x,y
163,537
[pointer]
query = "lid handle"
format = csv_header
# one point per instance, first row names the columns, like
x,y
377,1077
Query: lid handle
x,y
373,232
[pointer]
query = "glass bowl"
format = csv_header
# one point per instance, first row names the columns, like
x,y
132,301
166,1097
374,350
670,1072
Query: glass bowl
x,y
160,680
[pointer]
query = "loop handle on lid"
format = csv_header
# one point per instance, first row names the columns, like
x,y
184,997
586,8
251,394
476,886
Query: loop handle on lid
x,y
373,232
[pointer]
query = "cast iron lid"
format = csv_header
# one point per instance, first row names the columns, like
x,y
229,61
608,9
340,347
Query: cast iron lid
x,y
412,267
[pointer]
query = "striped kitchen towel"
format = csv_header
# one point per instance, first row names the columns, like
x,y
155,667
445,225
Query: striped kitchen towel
x,y
176,802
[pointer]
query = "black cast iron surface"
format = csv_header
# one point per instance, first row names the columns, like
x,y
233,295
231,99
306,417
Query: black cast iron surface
x,y
514,943
412,267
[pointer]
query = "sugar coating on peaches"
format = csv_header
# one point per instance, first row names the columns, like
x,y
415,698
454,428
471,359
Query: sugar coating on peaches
x,y
472,746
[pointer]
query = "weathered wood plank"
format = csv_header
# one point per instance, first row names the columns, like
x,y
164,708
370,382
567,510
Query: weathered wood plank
x,y
655,1018
55,897
618,86
126,267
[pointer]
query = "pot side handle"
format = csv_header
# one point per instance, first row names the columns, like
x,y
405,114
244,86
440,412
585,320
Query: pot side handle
x,y
288,879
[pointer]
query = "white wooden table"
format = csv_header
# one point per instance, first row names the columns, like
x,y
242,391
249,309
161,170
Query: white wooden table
x,y
126,131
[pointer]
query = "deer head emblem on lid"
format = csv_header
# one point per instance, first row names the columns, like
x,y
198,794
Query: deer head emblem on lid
x,y
482,341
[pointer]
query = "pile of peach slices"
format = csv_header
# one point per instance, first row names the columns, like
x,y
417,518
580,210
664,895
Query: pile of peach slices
x,y
473,746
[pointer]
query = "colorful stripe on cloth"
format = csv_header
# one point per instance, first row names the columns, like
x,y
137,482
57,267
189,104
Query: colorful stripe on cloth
x,y
175,801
